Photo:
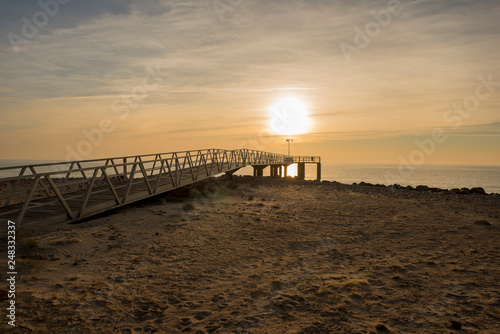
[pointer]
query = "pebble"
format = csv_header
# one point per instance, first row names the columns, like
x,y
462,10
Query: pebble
x,y
482,222
4,294
456,324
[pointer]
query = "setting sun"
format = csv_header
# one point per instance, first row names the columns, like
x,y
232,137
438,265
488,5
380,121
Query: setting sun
x,y
289,116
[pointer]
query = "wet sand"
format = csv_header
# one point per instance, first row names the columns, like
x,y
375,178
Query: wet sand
x,y
267,256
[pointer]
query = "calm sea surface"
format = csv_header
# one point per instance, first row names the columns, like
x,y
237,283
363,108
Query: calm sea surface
x,y
445,177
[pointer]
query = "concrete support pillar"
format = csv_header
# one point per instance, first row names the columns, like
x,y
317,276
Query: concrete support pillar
x,y
285,172
230,173
258,170
301,171
276,171
318,171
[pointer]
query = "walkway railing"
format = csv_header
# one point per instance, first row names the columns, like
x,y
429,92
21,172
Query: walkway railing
x,y
307,159
73,190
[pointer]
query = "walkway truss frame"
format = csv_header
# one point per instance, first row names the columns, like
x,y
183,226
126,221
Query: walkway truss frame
x,y
74,190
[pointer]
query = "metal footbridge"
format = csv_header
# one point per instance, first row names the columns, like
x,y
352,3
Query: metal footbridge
x,y
73,190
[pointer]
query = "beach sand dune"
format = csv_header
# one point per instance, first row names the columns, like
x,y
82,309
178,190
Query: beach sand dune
x,y
268,256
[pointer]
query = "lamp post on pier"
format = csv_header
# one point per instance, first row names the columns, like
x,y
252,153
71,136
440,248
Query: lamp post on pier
x,y
289,140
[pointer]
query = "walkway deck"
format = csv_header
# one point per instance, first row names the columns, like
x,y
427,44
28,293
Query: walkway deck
x,y
74,190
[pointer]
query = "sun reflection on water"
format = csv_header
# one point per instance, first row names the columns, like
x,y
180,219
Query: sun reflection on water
x,y
291,170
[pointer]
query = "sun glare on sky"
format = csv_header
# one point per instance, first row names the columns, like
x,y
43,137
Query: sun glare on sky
x,y
289,116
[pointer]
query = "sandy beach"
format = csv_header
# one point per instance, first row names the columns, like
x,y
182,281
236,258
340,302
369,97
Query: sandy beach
x,y
262,255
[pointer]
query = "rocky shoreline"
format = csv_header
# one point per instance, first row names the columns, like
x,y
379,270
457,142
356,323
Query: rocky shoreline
x,y
461,191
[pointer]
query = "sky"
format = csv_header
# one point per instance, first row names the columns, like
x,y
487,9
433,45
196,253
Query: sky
x,y
410,82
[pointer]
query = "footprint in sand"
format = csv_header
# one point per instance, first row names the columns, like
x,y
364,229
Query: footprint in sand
x,y
202,315
212,328
68,252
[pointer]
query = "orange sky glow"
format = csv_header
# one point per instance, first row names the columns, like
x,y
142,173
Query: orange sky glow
x,y
379,82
